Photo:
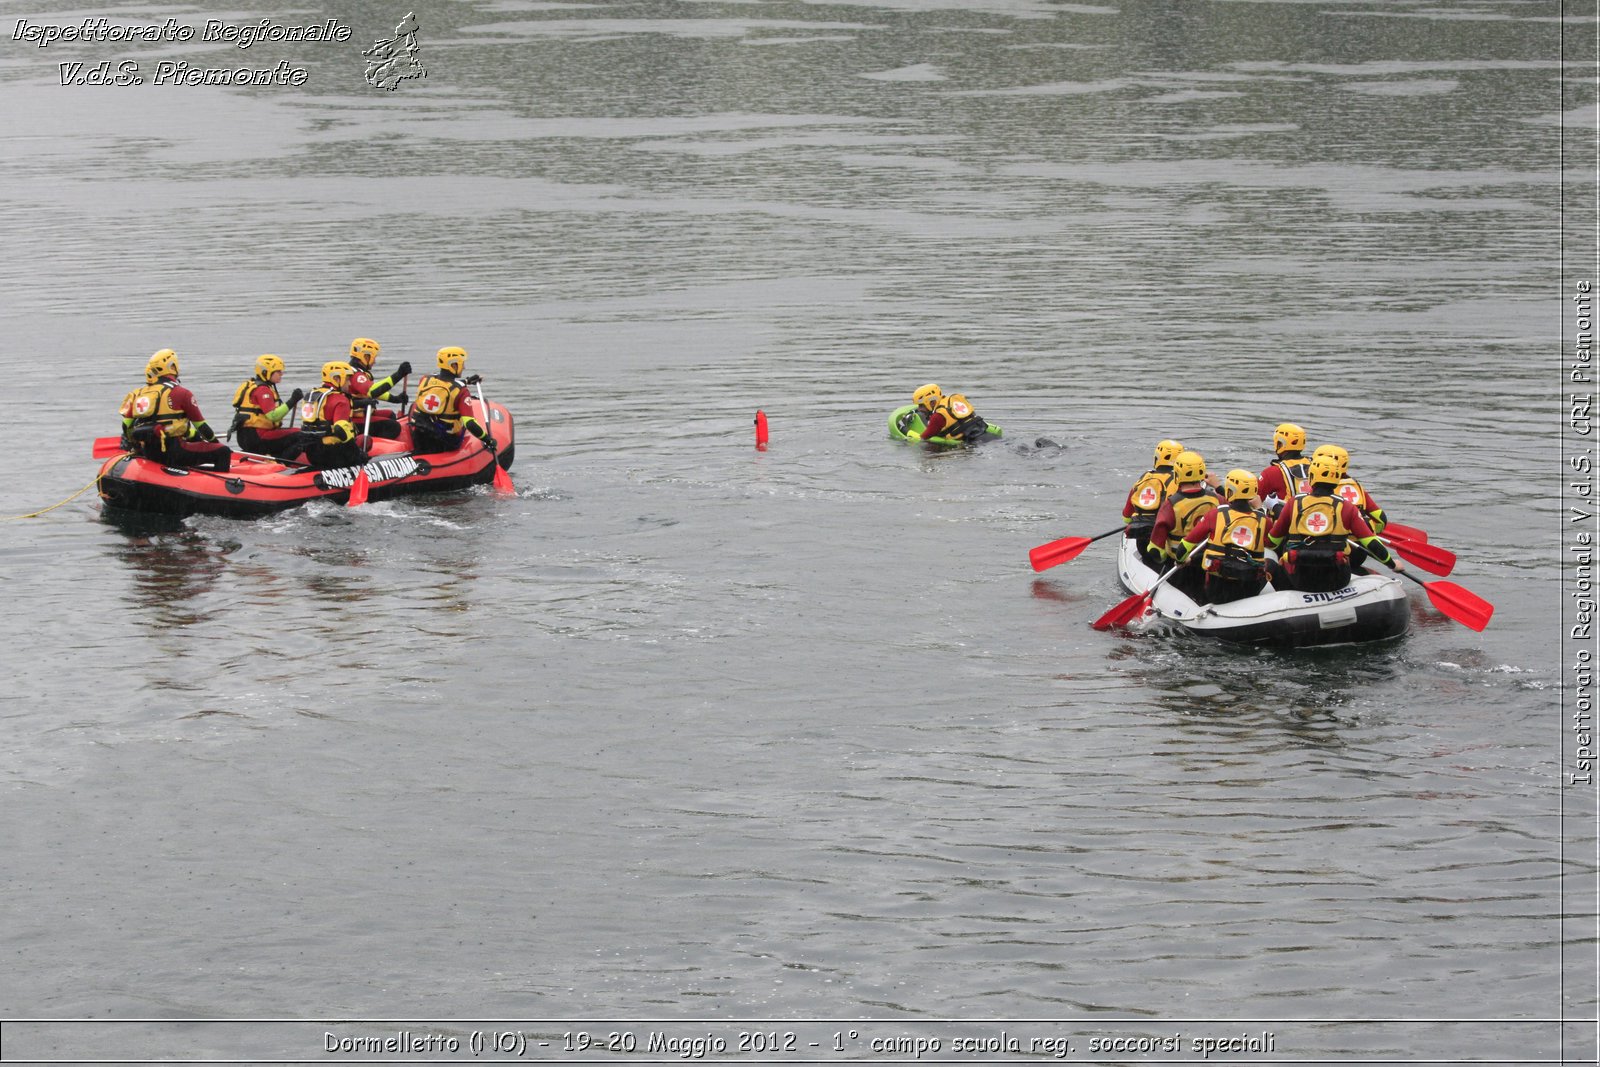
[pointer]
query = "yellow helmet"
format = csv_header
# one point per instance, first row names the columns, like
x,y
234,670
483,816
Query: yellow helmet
x,y
1324,468
453,359
1188,466
1166,451
164,364
927,398
1340,458
267,366
1239,485
338,373
364,352
1288,438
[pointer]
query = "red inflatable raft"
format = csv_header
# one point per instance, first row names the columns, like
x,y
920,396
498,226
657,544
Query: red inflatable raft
x,y
256,486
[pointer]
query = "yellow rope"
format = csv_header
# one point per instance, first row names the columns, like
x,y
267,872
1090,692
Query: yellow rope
x,y
52,507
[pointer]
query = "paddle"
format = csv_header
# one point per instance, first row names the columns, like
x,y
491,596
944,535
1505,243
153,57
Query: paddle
x,y
1410,533
1134,607
112,446
1462,605
1401,535
1046,556
359,487
1431,558
502,479
272,459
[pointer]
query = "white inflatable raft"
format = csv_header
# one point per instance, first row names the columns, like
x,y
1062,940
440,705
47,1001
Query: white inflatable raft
x,y
1373,607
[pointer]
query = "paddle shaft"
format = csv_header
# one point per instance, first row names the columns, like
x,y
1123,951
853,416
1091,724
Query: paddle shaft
x,y
1410,533
1430,558
105,447
270,459
483,409
502,479
1172,570
1453,601
1064,549
1133,607
1462,605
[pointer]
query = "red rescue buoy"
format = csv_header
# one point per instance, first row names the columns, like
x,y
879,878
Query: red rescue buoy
x,y
761,430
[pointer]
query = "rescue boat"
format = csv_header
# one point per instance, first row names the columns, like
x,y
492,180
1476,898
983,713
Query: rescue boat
x,y
257,486
1373,607
909,420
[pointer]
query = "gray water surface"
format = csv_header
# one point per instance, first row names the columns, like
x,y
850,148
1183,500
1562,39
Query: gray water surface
x,y
687,731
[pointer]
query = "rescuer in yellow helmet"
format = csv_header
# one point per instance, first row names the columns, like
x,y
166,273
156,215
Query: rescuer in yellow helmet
x,y
945,416
1313,533
1235,536
366,391
1183,509
1146,496
259,411
438,424
1286,474
1352,490
162,422
328,434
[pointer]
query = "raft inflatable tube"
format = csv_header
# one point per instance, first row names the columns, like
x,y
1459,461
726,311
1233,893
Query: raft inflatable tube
x,y
255,487
1373,607
909,420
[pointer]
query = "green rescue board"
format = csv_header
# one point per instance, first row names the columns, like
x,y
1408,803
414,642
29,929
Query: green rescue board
x,y
908,419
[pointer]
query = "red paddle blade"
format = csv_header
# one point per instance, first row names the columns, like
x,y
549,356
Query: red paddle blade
x,y
1420,554
502,480
1410,533
1125,612
1462,605
358,491
105,447
1046,556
